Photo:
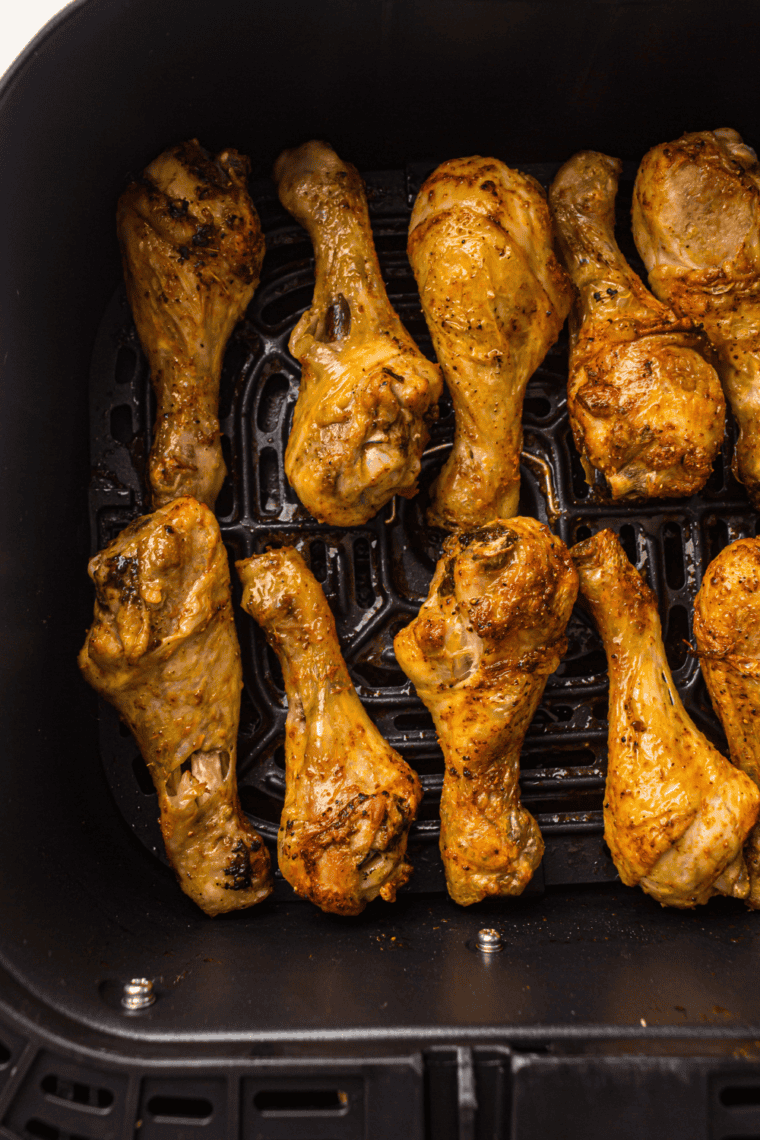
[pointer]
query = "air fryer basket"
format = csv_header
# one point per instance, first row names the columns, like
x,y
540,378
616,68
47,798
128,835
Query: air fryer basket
x,y
603,1013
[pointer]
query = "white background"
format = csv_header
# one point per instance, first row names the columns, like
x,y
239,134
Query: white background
x,y
20,20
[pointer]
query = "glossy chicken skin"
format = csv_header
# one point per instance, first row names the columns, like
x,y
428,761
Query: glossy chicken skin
x,y
192,248
367,393
676,812
479,654
350,799
696,223
495,299
646,408
727,632
163,650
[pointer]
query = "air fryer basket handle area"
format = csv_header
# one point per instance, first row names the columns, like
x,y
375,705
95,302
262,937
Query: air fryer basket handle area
x,y
85,907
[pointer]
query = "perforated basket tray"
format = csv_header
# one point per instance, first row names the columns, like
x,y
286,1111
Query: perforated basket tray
x,y
376,576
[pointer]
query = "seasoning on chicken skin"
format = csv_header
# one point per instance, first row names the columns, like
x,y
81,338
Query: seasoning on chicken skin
x,y
676,812
646,407
163,650
479,654
367,392
350,799
727,633
696,223
495,299
192,249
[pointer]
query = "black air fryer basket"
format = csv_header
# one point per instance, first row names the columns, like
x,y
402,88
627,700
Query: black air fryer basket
x,y
604,1014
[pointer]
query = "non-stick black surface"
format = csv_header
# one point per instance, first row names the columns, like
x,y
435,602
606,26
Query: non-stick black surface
x,y
376,576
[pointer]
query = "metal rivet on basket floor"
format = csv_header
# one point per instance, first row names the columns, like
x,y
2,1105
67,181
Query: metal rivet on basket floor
x,y
489,941
138,994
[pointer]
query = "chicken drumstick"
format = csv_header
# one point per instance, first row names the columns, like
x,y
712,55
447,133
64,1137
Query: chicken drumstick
x,y
676,812
479,654
727,632
163,650
645,407
495,299
192,248
696,223
350,799
367,392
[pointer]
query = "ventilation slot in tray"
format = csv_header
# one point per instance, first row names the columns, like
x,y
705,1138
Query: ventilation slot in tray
x,y
311,1102
333,1108
736,1108
75,1092
40,1130
180,1109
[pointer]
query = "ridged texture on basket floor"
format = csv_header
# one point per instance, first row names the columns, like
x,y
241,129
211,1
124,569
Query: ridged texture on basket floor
x,y
367,392
350,799
495,299
696,223
646,408
727,632
676,812
192,249
163,650
479,653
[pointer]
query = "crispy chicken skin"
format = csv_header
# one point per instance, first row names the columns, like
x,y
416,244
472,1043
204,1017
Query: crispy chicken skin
x,y
645,406
192,248
350,799
495,299
696,223
676,812
479,654
367,392
727,632
163,650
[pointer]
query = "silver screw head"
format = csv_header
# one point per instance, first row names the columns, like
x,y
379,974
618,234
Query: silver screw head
x,y
138,994
489,941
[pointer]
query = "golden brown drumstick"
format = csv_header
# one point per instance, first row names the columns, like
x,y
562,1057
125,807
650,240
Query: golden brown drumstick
x,y
727,632
676,812
367,392
163,650
495,299
479,654
645,407
696,223
349,797
192,248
